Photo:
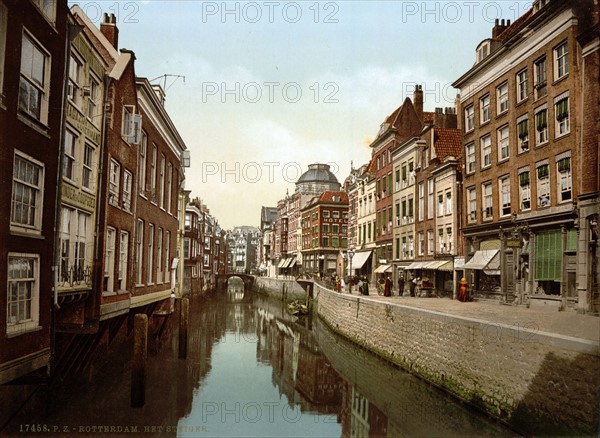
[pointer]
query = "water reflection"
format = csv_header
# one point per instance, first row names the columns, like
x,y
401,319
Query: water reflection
x,y
252,370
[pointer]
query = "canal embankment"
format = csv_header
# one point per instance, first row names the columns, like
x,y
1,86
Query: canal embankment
x,y
536,371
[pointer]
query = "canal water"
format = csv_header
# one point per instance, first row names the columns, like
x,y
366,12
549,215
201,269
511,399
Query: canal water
x,y
252,371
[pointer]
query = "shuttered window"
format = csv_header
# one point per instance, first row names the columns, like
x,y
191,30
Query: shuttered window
x,y
548,256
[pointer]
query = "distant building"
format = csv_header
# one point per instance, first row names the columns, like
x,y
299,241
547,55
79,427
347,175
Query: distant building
x,y
268,218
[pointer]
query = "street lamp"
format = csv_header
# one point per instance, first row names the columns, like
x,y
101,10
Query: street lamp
x,y
350,253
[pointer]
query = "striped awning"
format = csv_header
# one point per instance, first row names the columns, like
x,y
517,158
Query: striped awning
x,y
435,264
383,268
281,262
417,265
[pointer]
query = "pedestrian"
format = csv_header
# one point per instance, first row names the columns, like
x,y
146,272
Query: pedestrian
x,y
412,286
401,285
366,286
338,284
387,288
463,291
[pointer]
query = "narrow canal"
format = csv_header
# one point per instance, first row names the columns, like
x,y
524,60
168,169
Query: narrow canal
x,y
252,371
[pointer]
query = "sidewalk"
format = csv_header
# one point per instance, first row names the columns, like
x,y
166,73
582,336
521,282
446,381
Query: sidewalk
x,y
567,323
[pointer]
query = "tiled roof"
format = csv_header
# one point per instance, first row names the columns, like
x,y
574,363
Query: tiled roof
x,y
516,26
427,117
448,142
327,197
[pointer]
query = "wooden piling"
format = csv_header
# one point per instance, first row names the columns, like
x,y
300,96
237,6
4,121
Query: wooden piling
x,y
183,328
138,367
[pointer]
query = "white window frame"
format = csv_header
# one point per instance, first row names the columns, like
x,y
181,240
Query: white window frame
x,y
564,179
153,163
159,260
109,260
543,186
114,182
541,135
143,162
47,8
486,151
525,191
469,118
487,194
131,125
541,77
522,81
167,256
43,87
562,126
430,242
448,199
139,236
484,109
94,93
421,189
470,154
561,60
503,138
35,195
88,160
70,154
150,259
31,294
127,189
76,245
502,98
75,79
421,243
123,259
472,205
169,186
523,137
430,198
504,185
440,204
161,192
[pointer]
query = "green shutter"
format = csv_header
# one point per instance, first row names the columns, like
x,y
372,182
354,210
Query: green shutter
x,y
542,171
572,240
524,179
523,129
562,109
564,165
403,172
541,120
548,256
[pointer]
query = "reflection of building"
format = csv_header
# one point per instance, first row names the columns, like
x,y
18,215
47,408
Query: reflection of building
x,y
244,246
529,209
324,231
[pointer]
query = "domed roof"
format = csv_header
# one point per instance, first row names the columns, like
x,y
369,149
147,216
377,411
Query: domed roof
x,y
318,173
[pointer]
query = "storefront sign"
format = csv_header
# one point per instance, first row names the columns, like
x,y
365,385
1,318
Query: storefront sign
x,y
514,243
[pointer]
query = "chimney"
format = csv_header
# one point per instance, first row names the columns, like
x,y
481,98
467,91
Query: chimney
x,y
418,100
109,29
499,27
451,121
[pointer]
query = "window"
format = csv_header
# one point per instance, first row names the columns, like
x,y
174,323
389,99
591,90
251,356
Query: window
x,y
127,182
123,256
440,205
186,247
448,202
93,94
404,176
139,236
153,173
541,126
430,242
27,194
142,163
503,144
411,213
561,61
3,15
525,190
167,256
150,253
131,127
109,260
159,251
442,246
421,201
421,243
563,167
22,310
411,173
76,236
161,193
335,229
69,158
326,228
523,133
504,183
502,98
325,213
472,204
169,186
561,110
87,172
35,80
325,242
469,118
470,154
486,151
522,85
336,214
543,185
484,109
47,7
114,178
75,79
430,196
540,77
487,201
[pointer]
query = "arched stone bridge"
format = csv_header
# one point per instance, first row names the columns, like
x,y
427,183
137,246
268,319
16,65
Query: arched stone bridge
x,y
222,280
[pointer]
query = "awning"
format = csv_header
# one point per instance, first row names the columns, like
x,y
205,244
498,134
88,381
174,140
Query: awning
x,y
417,265
281,262
435,264
288,260
382,268
360,258
448,266
486,260
292,262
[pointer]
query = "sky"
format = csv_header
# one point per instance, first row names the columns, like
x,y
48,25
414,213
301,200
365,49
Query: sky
x,y
260,90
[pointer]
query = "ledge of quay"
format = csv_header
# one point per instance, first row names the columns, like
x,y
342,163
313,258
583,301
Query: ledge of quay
x,y
520,374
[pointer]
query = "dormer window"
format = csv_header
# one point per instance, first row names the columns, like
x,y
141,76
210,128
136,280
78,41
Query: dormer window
x,y
483,50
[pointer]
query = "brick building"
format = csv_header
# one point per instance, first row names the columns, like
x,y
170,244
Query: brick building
x,y
193,247
529,213
33,37
324,231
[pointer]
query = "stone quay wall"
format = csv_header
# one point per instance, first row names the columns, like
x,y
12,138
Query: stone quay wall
x,y
533,381
285,290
